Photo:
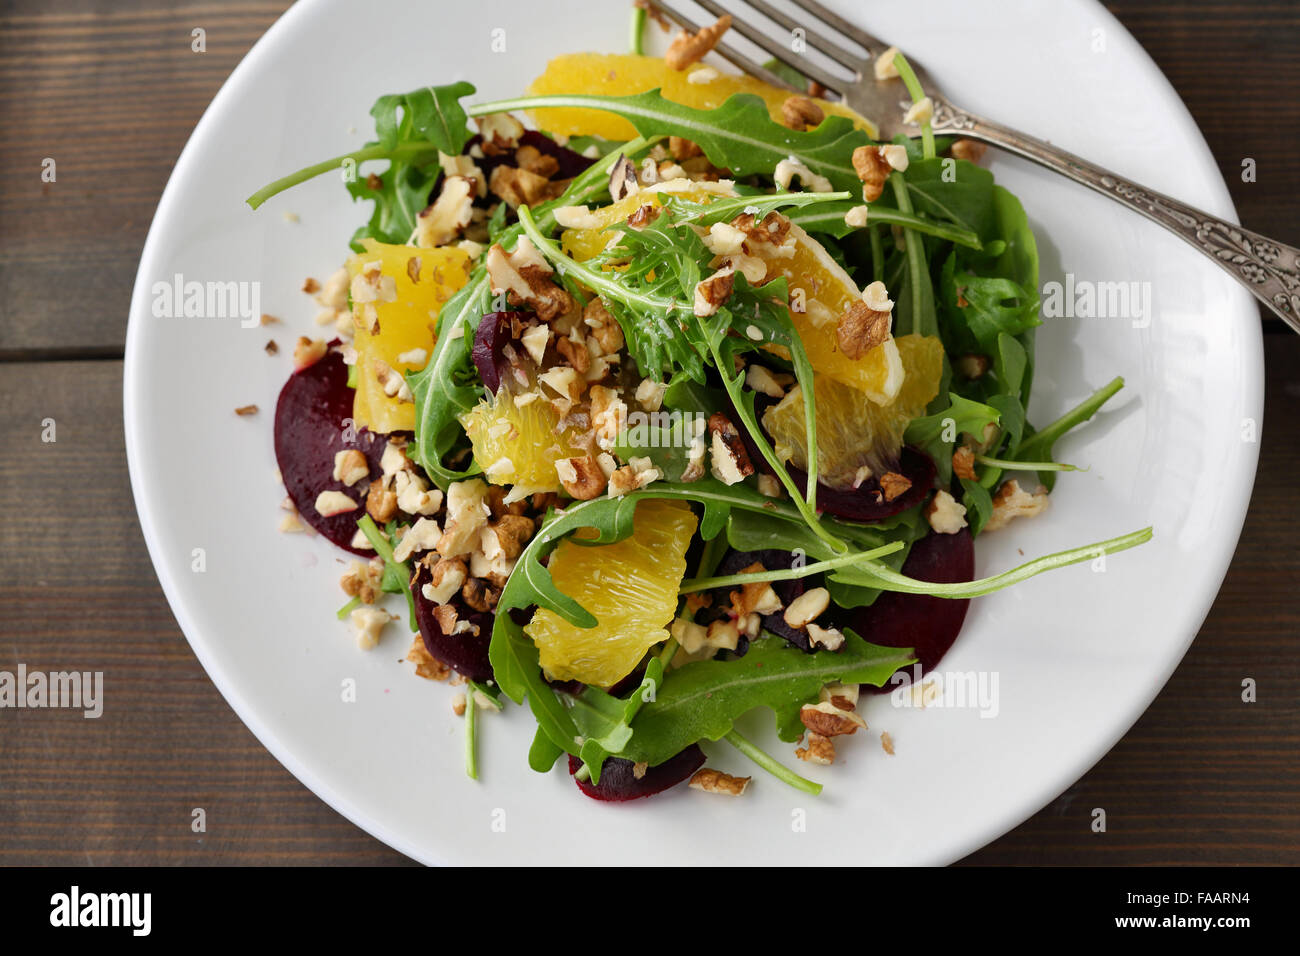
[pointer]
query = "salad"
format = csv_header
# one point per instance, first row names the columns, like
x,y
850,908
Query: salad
x,y
663,395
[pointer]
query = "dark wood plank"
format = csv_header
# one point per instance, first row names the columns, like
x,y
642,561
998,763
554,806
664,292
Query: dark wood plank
x,y
79,593
111,93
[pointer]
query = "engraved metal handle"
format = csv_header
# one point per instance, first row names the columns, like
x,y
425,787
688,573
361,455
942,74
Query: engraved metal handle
x,y
1269,269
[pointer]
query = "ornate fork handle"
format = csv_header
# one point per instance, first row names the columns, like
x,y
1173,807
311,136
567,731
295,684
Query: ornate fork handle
x,y
1268,269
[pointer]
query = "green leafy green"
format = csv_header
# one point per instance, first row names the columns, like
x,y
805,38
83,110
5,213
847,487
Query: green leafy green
x,y
702,700
739,135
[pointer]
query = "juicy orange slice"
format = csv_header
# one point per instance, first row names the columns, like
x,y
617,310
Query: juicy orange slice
x,y
519,445
853,433
586,242
630,587
405,338
609,74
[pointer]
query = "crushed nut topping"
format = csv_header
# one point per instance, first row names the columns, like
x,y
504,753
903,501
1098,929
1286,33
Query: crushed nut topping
x,y
963,463
715,781
1012,501
689,48
731,462
350,466
861,329
446,578
330,503
245,410
791,167
873,164
519,187
426,665
308,352
884,66
945,513
807,607
500,133
442,221
820,750
922,111
581,478
968,149
892,484
362,579
368,622
801,113
828,720
710,293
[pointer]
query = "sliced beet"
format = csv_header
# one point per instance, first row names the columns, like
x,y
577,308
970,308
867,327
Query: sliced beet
x,y
466,652
313,423
618,782
734,562
570,163
496,331
927,624
861,504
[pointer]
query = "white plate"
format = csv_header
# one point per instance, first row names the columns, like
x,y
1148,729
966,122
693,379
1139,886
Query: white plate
x,y
1078,654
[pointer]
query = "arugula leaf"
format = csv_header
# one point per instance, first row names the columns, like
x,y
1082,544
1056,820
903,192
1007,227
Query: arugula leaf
x,y
403,190
739,135
605,720
431,113
702,700
936,434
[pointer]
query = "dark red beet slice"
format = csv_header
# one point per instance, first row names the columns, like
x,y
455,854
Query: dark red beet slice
x,y
619,783
312,425
496,331
466,652
930,625
860,504
570,163
733,562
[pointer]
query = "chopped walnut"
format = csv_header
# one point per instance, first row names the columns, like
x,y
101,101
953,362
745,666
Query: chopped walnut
x,y
350,466
426,665
945,513
873,164
446,578
467,514
791,167
381,502
715,781
801,113
479,595
887,742
1012,501
820,750
458,703
525,275
362,580
424,535
922,111
575,354
807,607
536,162
637,473
963,463
604,328
828,720
308,351
368,622
884,66
968,149
861,329
243,411
689,48
892,484
710,293
518,187
511,533
500,133
581,478
330,503
683,149
442,221
731,462
973,366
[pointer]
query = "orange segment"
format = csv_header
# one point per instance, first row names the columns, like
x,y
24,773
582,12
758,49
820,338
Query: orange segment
x,y
826,291
405,326
853,433
519,445
587,242
630,587
610,74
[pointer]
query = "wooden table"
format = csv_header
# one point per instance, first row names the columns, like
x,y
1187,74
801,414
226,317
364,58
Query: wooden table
x,y
111,92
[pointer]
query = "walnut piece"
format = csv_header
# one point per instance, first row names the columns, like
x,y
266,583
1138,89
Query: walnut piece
x,y
820,750
731,462
581,478
715,781
968,149
861,329
963,463
689,48
381,502
710,293
828,720
945,513
801,113
892,484
426,665
1012,501
873,164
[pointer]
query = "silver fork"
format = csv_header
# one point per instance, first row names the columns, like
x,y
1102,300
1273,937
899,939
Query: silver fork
x,y
1269,269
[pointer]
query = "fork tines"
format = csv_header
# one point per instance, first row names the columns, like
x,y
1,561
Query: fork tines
x,y
786,52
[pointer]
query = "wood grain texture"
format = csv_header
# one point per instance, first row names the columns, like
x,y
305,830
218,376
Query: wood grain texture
x,y
112,92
